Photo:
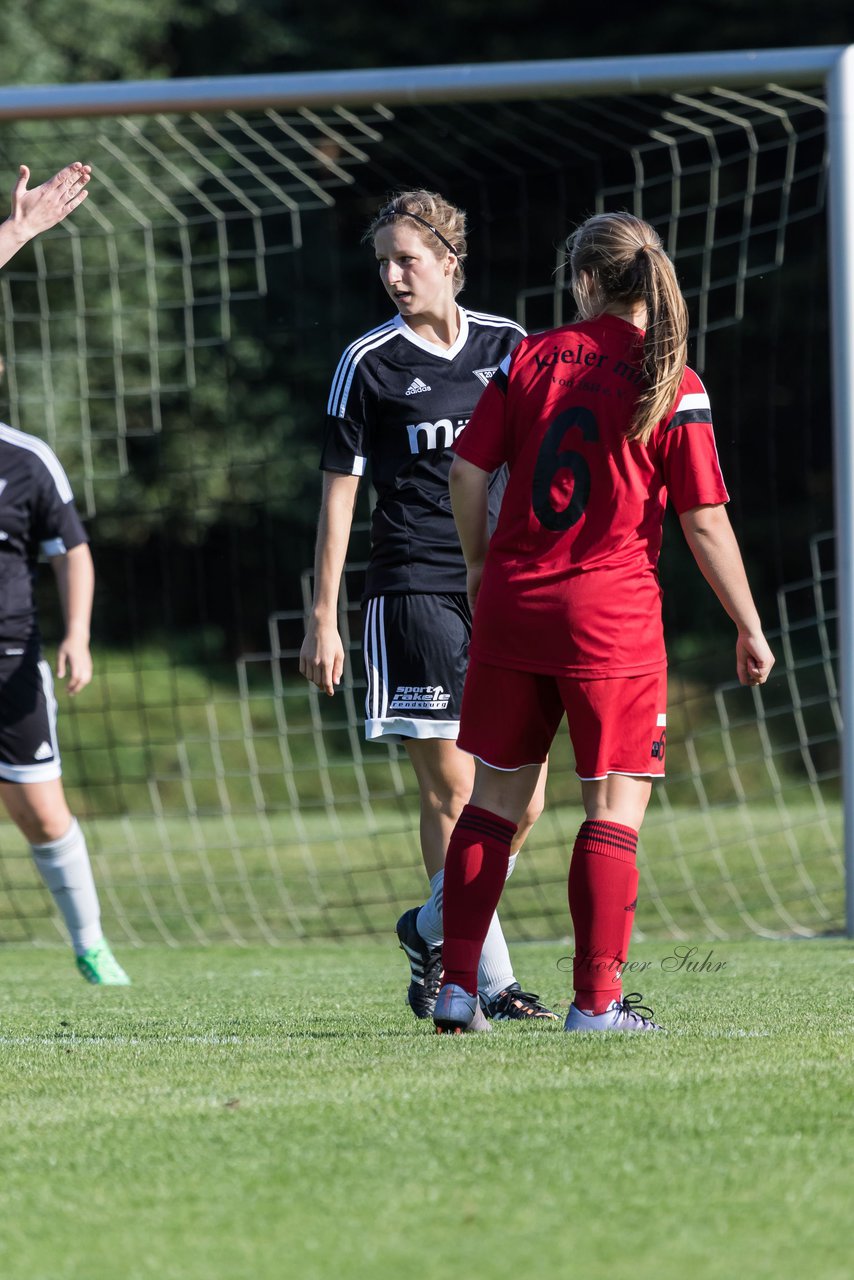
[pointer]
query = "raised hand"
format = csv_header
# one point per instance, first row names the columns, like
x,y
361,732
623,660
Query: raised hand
x,y
41,208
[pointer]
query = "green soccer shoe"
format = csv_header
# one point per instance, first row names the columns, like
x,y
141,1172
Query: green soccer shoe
x,y
99,966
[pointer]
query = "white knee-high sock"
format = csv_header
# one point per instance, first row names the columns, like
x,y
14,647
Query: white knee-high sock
x,y
428,922
65,868
495,972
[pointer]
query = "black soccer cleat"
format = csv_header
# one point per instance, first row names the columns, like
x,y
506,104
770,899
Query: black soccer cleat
x,y
425,965
516,1004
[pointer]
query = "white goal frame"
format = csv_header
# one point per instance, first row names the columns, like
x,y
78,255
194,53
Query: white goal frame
x,y
833,65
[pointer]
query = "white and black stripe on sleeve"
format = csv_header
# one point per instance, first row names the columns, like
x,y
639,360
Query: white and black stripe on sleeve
x,y
692,406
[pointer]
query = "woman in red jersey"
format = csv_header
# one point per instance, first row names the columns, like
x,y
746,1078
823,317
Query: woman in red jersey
x,y
599,422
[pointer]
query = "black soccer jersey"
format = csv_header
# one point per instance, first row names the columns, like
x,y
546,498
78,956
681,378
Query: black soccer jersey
x,y
396,406
37,513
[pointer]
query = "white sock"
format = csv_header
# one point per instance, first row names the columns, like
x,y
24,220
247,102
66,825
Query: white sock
x,y
65,868
428,922
495,972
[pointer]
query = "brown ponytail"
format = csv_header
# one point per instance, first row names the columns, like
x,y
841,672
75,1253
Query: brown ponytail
x,y
623,261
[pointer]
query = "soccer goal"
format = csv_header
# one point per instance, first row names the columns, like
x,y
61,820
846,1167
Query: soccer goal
x,y
173,342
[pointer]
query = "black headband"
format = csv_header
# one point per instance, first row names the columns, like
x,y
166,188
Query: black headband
x,y
392,211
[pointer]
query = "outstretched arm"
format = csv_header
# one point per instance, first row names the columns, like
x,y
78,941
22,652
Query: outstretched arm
x,y
321,658
709,534
43,207
75,581
469,487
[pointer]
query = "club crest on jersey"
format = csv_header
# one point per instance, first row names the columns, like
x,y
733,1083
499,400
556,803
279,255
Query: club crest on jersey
x,y
485,375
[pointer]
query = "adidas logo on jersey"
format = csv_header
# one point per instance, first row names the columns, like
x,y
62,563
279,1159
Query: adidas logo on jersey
x,y
416,386
485,375
44,752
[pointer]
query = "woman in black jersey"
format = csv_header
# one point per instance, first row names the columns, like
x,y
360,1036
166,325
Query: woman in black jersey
x,y
38,516
400,396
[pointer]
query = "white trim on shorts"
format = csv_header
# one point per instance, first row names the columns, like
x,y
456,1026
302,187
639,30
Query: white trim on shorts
x,y
503,768
52,768
376,662
598,777
399,727
621,773
378,724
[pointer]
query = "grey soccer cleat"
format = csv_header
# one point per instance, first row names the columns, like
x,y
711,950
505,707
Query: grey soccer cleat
x,y
456,1012
627,1014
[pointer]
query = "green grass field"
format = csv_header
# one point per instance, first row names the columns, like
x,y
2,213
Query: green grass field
x,y
278,1113
255,877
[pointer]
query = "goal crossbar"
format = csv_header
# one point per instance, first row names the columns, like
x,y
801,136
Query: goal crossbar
x,y
411,85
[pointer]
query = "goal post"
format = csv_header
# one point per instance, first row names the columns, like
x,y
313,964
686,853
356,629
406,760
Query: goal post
x,y
840,100
222,797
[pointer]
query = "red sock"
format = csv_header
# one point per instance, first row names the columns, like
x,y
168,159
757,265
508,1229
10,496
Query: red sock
x,y
603,891
475,871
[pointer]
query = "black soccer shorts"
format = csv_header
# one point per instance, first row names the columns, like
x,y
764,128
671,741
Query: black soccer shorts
x,y
29,751
416,652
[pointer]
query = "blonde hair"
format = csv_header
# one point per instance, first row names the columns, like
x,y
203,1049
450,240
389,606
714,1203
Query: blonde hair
x,y
440,225
623,260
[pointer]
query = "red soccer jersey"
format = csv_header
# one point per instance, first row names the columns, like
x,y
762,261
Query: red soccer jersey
x,y
570,585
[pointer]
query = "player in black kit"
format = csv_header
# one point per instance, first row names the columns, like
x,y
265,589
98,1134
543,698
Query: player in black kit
x,y
38,516
400,396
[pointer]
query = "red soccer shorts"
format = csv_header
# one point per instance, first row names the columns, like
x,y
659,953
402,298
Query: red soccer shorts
x,y
509,719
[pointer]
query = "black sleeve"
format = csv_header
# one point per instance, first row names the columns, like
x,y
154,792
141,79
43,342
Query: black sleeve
x,y
56,525
345,446
349,414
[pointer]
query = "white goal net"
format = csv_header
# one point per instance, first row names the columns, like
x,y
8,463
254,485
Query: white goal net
x,y
173,342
